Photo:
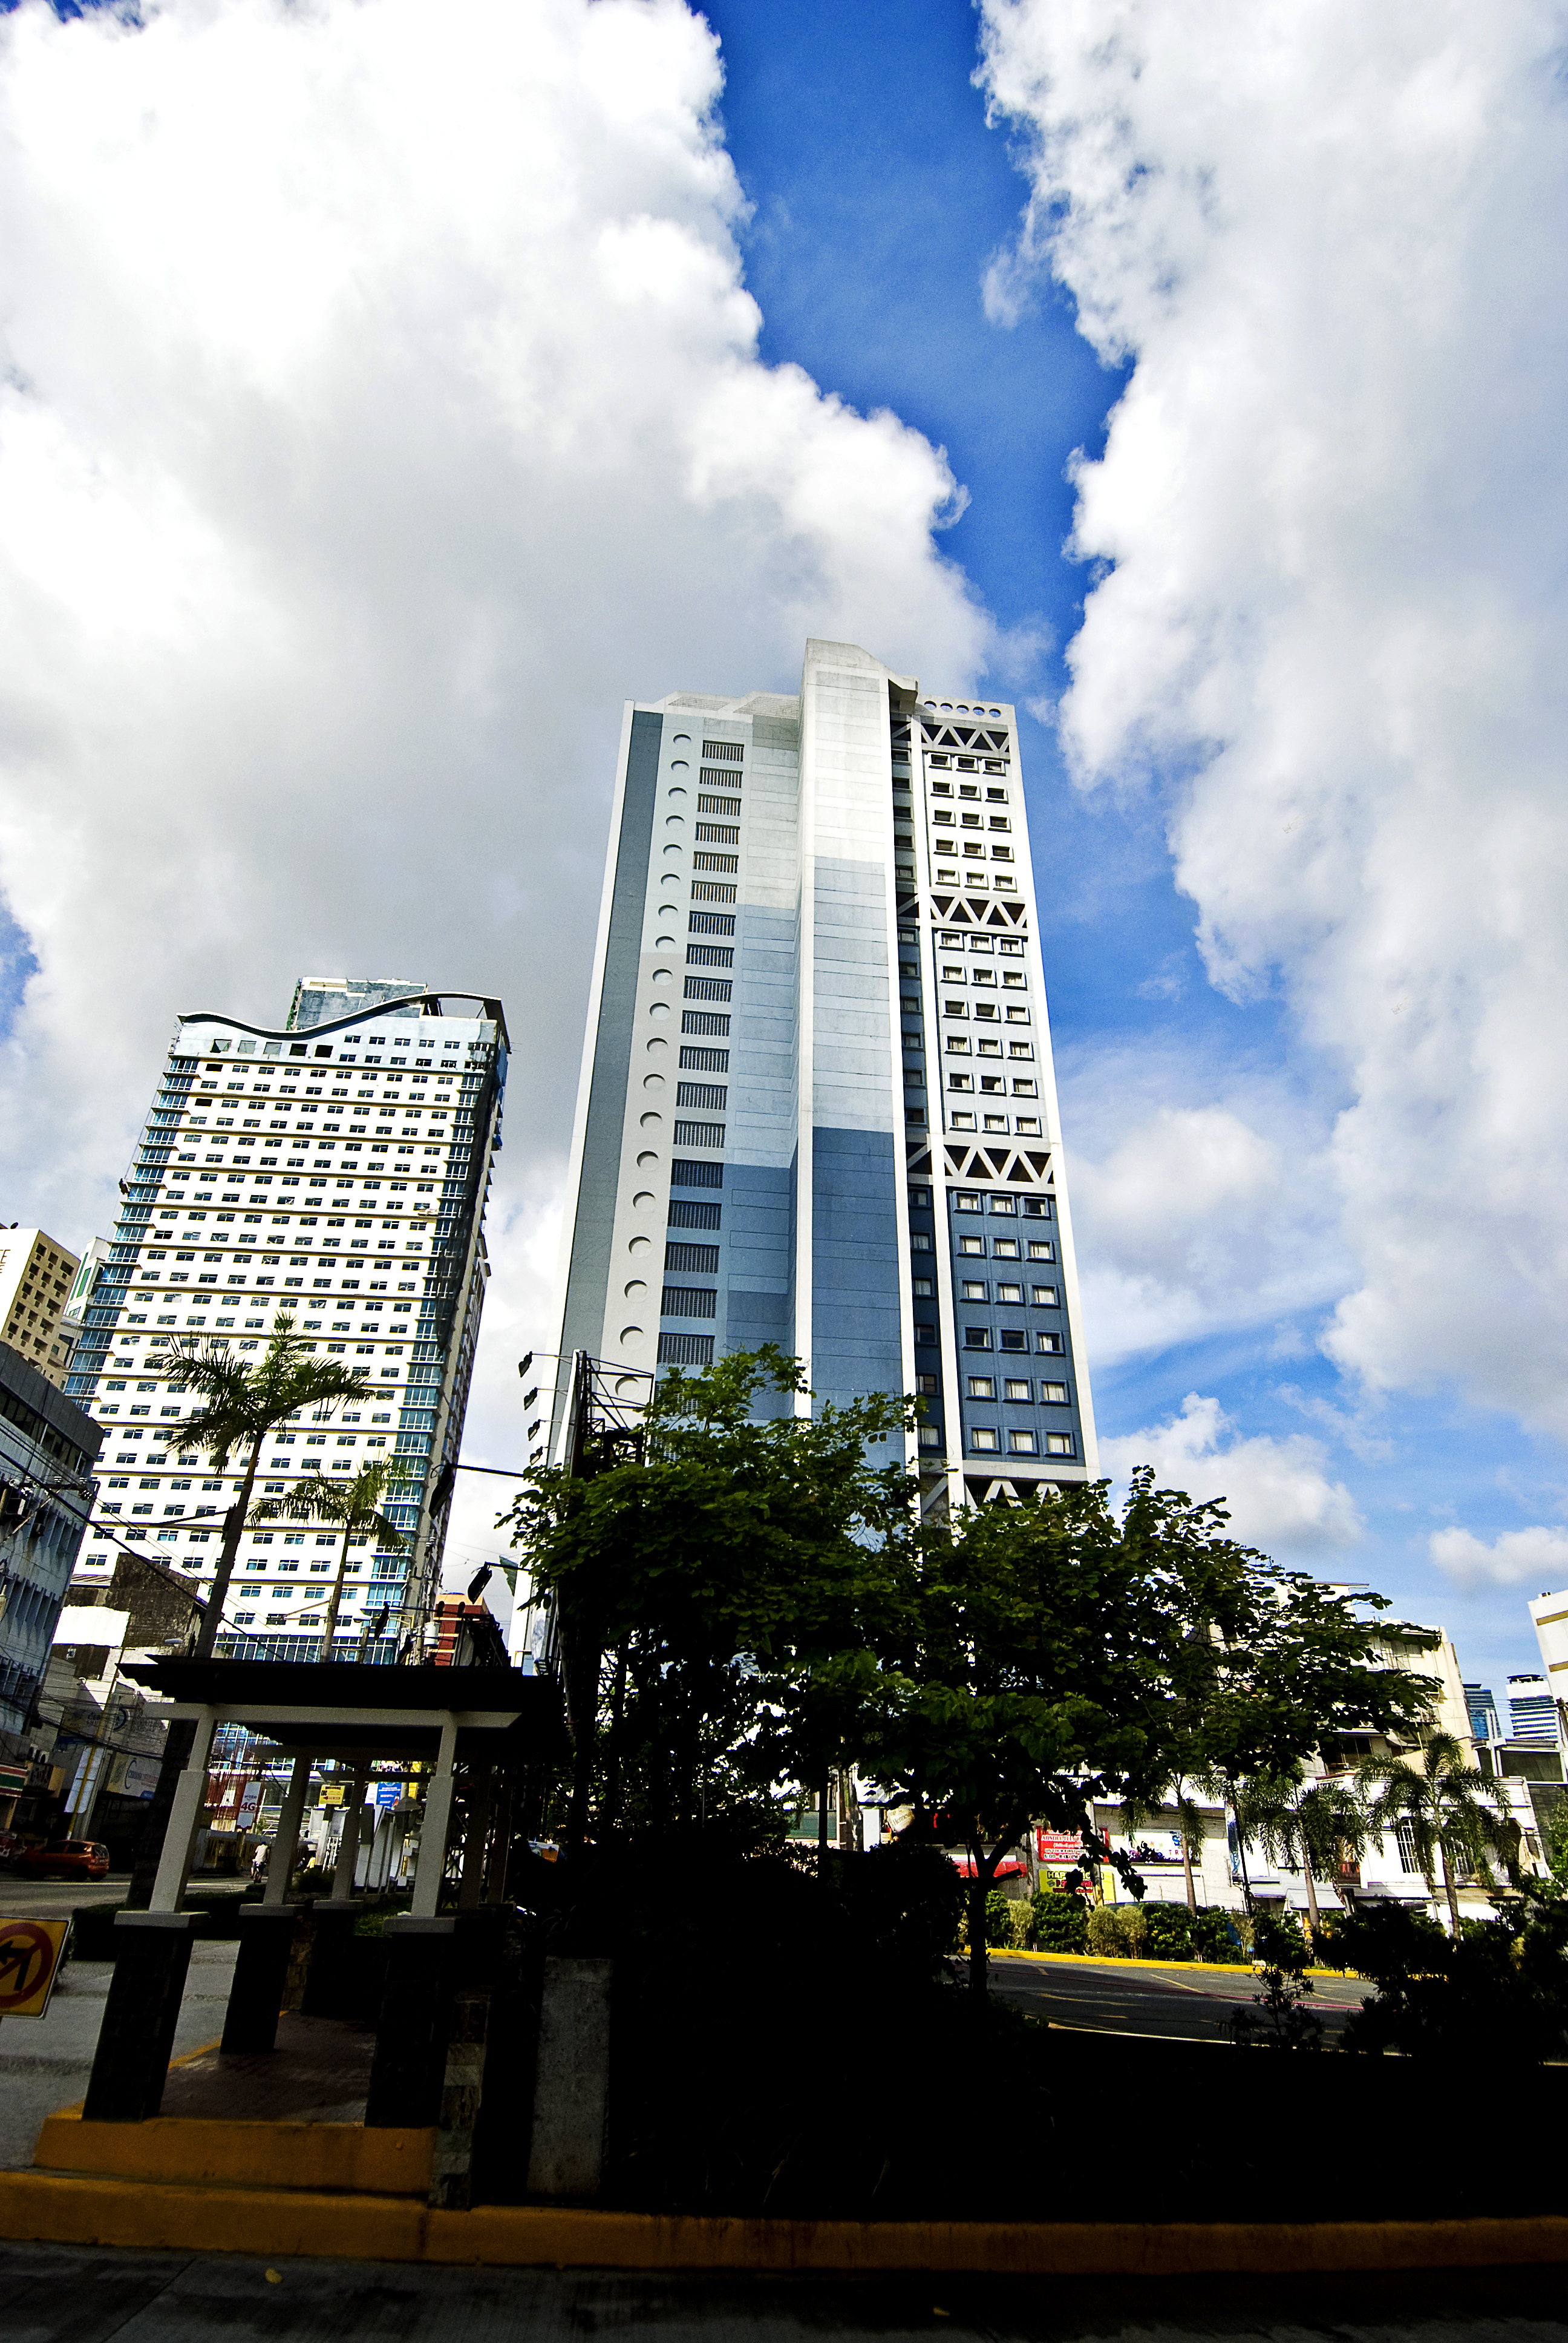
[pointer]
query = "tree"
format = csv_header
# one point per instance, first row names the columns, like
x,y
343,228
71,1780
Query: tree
x,y
1313,1830
1042,1655
354,1506
1448,1808
245,1400
698,1593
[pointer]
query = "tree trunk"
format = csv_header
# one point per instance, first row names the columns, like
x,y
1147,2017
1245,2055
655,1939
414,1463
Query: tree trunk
x,y
1449,1889
234,1524
980,1888
1311,1895
329,1625
1241,1852
1187,1870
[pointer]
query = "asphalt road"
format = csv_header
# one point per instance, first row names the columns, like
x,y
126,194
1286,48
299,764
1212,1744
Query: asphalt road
x,y
84,2295
1181,2001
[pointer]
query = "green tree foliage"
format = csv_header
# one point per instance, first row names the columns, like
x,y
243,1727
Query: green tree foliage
x,y
700,1593
1318,1831
1038,1657
1495,1991
245,1399
1279,2018
354,1506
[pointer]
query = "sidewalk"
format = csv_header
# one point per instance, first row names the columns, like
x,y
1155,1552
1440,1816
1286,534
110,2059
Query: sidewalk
x,y
45,2062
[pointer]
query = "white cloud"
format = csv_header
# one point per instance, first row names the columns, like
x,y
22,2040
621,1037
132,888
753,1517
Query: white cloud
x,y
1513,1557
1281,1498
379,406
1330,623
1192,1218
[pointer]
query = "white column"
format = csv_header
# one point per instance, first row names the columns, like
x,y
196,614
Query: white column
x,y
433,1827
285,1839
185,1813
349,1842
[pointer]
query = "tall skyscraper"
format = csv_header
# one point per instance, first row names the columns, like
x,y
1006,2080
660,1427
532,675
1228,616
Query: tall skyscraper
x,y
336,1167
817,1105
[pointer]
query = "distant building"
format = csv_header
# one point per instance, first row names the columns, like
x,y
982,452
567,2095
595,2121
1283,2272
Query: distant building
x,y
1482,1708
47,1451
1549,1617
467,1636
36,1273
1532,1711
335,1168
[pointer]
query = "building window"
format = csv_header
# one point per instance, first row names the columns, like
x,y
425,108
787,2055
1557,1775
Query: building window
x,y
982,1386
982,1438
977,1338
1022,1443
1058,1444
1010,1293
1013,1338
686,1349
973,1289
1014,1390
1046,1340
1054,1395
1045,1297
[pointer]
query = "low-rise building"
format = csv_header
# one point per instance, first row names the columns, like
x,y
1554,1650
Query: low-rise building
x,y
47,1451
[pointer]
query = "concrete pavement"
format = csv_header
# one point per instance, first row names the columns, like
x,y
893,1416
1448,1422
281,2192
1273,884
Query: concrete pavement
x,y
85,2295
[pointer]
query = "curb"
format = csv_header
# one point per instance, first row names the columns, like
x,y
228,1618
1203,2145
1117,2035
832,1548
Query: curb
x,y
1115,1961
279,2223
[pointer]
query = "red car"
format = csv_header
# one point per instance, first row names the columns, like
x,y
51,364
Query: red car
x,y
67,1858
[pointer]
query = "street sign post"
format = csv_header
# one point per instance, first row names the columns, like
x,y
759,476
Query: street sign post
x,y
31,1952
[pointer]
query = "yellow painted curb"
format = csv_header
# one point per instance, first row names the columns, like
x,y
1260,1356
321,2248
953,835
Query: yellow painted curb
x,y
1115,1961
39,2206
344,2156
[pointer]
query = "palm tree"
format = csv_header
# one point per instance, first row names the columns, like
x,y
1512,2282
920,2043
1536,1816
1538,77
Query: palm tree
x,y
245,1399
354,1505
1173,1792
1437,1799
1310,1830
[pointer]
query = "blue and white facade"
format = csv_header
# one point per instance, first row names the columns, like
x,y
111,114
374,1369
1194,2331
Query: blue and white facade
x,y
48,1448
335,1167
817,1106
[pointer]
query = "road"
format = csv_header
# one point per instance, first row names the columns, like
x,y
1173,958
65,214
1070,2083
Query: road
x,y
1180,2001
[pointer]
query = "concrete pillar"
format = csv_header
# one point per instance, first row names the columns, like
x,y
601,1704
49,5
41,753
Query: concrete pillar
x,y
185,1813
408,2068
571,2080
476,1832
433,1829
152,1955
285,1840
349,1842
260,1977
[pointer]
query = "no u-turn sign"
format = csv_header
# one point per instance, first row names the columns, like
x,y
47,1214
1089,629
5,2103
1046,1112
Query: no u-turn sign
x,y
31,1952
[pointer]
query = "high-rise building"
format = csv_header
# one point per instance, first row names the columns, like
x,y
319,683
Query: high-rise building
x,y
1481,1710
1549,1617
817,1105
36,1273
336,1168
1532,1711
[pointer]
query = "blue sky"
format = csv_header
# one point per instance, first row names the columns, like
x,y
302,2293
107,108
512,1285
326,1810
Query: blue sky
x,y
879,193
416,385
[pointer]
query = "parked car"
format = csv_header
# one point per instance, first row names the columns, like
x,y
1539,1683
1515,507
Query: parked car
x,y
12,1845
67,1858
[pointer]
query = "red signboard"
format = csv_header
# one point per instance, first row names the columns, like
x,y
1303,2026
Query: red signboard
x,y
1059,1847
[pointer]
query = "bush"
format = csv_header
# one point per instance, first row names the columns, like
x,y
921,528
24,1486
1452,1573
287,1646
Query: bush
x,y
1499,1991
1118,1932
1171,1931
1009,1922
1060,1922
1221,1937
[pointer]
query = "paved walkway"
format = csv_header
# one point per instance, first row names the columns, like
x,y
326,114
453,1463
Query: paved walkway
x,y
45,2062
57,2294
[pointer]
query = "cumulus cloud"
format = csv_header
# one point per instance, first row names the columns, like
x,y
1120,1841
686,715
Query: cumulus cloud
x,y
380,406
1514,1557
1281,1498
1329,613
1192,1218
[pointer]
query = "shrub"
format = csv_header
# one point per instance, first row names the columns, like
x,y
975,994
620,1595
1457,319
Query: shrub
x,y
1171,1931
1499,1991
1220,1937
1060,1922
1117,1932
